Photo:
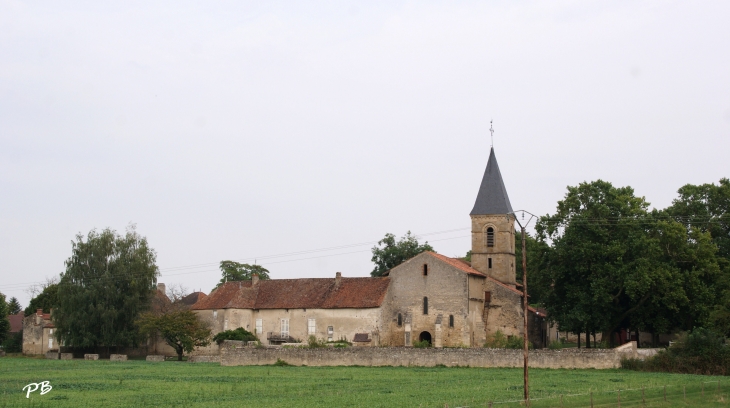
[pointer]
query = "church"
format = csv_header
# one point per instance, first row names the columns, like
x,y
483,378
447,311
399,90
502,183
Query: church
x,y
448,302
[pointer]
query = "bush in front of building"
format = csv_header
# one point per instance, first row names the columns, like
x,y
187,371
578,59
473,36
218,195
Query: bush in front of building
x,y
239,334
700,352
13,343
499,340
421,344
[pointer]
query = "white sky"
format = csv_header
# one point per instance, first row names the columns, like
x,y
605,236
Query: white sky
x,y
237,130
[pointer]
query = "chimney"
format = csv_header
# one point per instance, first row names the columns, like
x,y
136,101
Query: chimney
x,y
338,279
39,312
254,279
161,287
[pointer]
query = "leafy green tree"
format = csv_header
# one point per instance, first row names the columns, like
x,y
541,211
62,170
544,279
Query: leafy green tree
x,y
538,288
181,329
601,267
47,299
234,271
706,208
109,281
390,253
14,306
4,322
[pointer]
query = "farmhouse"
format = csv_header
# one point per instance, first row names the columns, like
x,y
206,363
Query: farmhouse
x,y
445,301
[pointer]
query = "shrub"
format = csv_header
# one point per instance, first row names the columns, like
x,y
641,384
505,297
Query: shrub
x,y
555,345
499,340
314,343
281,363
421,344
699,352
240,334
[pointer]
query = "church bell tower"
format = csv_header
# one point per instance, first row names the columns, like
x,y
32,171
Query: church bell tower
x,y
493,227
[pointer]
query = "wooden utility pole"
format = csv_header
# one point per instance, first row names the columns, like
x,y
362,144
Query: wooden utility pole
x,y
524,302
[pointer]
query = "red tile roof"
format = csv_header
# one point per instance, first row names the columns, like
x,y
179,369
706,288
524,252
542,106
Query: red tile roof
x,y
457,263
16,322
311,293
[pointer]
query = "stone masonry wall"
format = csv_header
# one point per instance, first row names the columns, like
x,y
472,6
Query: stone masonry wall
x,y
233,353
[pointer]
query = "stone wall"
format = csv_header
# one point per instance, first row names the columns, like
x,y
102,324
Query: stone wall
x,y
234,353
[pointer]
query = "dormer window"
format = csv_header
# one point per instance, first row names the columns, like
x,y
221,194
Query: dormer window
x,y
490,237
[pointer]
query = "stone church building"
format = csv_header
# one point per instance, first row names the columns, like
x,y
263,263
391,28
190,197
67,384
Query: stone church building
x,y
448,302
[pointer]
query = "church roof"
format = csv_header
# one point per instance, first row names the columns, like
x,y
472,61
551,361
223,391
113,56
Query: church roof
x,y
492,197
306,293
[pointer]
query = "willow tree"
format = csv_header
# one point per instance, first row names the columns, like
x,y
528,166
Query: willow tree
x,y
109,281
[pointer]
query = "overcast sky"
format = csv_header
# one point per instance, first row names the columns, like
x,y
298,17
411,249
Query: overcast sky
x,y
238,130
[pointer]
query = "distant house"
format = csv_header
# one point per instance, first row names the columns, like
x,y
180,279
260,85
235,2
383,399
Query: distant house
x,y
16,323
38,333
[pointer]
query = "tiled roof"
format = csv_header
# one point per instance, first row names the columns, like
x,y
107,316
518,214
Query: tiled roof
x,y
16,322
457,263
193,298
311,293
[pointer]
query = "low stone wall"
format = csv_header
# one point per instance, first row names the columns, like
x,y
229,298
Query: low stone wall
x,y
53,355
155,358
204,359
67,356
91,356
117,357
235,353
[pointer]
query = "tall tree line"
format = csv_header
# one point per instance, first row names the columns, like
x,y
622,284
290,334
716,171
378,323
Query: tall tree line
x,y
604,261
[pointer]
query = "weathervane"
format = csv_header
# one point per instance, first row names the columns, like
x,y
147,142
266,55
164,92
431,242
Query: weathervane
x,y
491,130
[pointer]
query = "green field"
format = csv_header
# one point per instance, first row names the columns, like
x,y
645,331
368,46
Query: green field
x,y
81,383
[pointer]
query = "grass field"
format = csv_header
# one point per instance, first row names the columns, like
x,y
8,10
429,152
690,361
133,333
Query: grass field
x,y
80,383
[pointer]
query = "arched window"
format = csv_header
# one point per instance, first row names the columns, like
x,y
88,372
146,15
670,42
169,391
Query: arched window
x,y
425,305
490,237
400,320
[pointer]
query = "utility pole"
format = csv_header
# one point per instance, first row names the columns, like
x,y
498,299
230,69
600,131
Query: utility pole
x,y
524,299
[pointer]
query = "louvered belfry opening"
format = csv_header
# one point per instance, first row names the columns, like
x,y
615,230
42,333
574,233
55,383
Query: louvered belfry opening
x,y
490,237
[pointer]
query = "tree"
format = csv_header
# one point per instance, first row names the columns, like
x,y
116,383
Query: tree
x,y
181,329
14,306
391,253
45,298
538,288
614,265
234,271
706,208
109,281
4,322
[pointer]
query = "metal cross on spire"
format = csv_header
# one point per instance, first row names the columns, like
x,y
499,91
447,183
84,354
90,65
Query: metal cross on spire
x,y
491,130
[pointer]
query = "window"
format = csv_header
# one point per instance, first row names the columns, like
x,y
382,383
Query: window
x,y
215,314
489,262
259,326
225,324
451,320
425,305
400,320
311,326
330,333
425,269
284,327
487,297
490,237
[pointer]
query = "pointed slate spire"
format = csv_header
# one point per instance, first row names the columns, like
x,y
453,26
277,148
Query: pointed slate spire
x,y
492,197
